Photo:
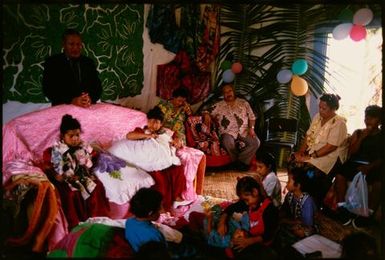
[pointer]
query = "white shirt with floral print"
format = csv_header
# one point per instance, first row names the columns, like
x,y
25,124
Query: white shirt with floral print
x,y
333,132
233,120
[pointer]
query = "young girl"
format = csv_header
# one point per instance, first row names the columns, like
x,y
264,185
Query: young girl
x,y
152,148
68,164
298,210
267,175
250,239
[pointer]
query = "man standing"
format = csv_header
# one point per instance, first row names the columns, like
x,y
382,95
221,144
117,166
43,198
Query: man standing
x,y
70,77
236,121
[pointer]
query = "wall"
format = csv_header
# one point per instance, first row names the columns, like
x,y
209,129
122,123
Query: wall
x,y
21,96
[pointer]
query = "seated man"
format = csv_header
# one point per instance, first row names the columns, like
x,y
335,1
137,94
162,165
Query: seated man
x,y
235,120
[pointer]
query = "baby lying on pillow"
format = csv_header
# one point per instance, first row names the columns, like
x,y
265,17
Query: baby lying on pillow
x,y
151,148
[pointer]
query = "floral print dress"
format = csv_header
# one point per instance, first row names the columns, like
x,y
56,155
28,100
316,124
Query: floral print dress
x,y
174,119
74,161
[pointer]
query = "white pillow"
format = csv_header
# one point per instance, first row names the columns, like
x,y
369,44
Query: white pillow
x,y
149,154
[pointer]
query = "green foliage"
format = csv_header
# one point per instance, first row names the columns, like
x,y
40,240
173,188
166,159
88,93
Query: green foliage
x,y
266,39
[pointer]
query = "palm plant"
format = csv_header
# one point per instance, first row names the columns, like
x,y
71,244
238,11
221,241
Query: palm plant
x,y
266,39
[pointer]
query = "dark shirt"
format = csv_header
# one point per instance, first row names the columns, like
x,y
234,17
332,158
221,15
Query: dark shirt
x,y
270,217
65,79
370,149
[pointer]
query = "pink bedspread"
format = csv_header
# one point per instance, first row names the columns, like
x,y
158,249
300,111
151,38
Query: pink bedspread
x,y
27,136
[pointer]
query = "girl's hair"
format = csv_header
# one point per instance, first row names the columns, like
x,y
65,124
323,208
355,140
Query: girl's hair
x,y
145,202
68,123
155,113
331,100
373,111
302,176
180,92
247,184
267,159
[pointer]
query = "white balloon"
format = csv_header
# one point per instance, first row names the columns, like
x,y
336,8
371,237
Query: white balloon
x,y
342,31
284,76
363,16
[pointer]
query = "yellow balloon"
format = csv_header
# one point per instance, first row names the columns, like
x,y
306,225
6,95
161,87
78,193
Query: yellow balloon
x,y
298,86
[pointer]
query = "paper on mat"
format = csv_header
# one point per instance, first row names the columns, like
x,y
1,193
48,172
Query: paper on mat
x,y
329,248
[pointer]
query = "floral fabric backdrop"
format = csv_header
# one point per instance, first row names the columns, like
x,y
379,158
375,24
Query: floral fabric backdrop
x,y
112,36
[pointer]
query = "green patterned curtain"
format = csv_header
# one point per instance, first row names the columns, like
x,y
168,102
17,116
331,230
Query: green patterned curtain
x,y
112,35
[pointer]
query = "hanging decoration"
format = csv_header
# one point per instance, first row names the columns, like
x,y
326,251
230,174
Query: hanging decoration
x,y
228,76
236,67
346,15
356,30
298,86
342,31
299,67
284,76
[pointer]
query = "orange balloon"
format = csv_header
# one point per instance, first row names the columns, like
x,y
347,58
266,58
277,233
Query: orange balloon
x,y
298,86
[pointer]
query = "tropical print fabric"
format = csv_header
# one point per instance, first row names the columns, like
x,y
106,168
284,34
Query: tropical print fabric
x,y
112,36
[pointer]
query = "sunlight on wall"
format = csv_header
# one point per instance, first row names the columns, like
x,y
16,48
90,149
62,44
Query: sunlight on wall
x,y
355,74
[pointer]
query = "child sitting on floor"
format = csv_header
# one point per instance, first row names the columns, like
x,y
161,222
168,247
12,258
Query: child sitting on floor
x,y
267,175
297,214
141,228
246,227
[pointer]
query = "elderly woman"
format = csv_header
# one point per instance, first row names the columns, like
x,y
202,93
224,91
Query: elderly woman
x,y
324,148
175,112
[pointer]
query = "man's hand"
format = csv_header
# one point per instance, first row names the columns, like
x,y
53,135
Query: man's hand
x,y
252,133
84,100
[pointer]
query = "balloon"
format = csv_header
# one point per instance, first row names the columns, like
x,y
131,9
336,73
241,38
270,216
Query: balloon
x,y
299,67
363,16
236,67
342,31
228,76
358,33
346,15
284,76
226,65
298,86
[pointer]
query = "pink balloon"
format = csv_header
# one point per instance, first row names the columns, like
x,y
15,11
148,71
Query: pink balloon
x,y
363,16
236,67
357,33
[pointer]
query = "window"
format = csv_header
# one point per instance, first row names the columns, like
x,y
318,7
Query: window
x,y
355,74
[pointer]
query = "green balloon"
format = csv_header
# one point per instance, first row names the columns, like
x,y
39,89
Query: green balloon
x,y
346,15
226,65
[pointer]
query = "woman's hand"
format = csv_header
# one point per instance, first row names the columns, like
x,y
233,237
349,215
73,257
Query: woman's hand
x,y
241,243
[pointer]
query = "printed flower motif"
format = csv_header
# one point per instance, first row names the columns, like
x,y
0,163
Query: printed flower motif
x,y
109,163
69,162
83,158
